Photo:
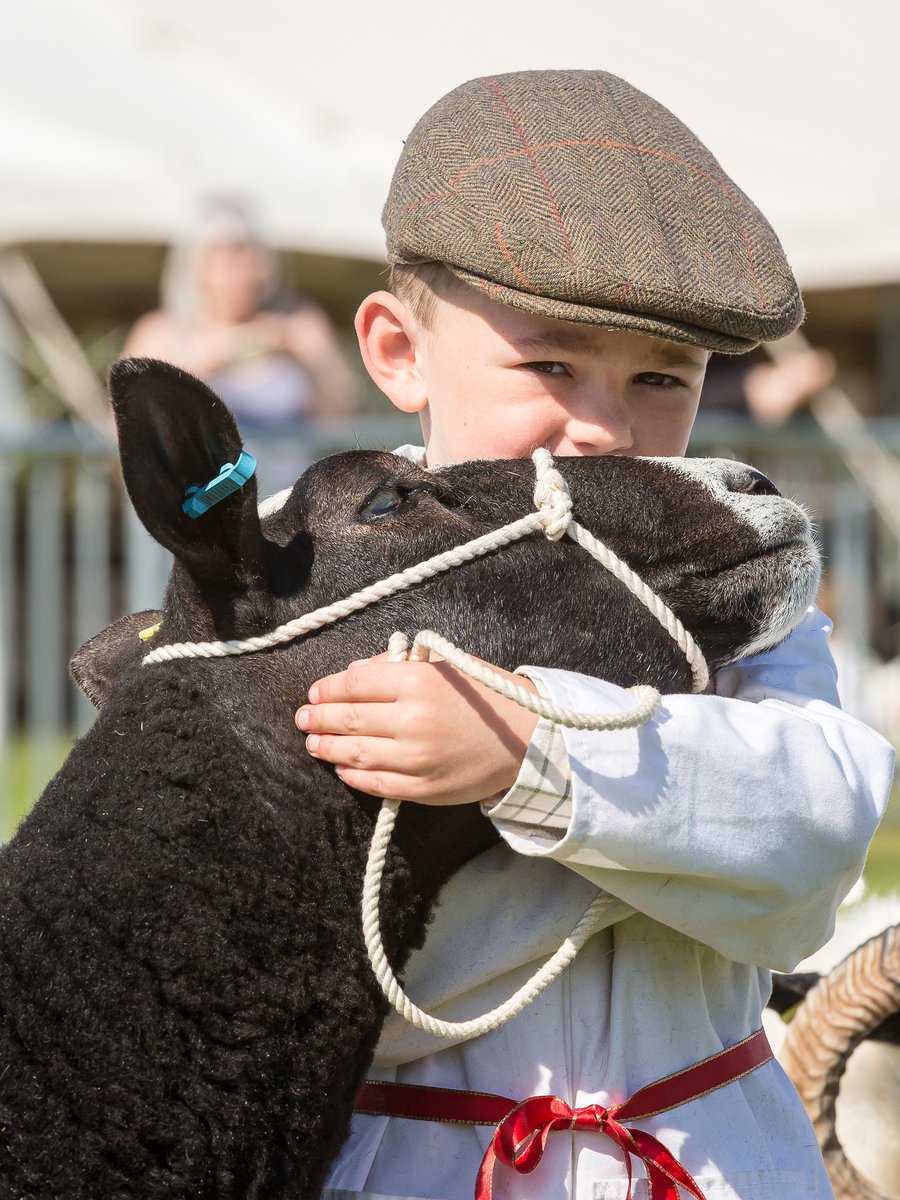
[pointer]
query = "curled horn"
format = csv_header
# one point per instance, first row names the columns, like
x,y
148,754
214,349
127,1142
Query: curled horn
x,y
843,1009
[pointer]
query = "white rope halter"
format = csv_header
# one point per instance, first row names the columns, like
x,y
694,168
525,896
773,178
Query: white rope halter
x,y
553,516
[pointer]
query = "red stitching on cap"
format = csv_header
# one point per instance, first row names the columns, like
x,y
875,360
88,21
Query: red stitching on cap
x,y
503,246
604,145
491,288
722,186
541,175
747,246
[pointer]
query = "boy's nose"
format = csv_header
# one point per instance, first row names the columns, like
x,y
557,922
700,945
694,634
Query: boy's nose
x,y
600,427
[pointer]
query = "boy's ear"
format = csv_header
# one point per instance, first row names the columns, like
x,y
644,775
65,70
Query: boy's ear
x,y
389,345
97,664
174,434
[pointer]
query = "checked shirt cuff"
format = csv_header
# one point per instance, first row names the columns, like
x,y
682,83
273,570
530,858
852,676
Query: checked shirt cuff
x,y
539,804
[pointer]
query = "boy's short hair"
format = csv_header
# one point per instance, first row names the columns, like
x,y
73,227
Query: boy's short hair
x,y
573,195
419,285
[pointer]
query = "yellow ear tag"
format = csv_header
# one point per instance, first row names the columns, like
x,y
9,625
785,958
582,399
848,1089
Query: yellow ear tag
x,y
146,634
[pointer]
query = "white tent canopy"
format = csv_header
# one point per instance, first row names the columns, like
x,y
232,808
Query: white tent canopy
x,y
117,116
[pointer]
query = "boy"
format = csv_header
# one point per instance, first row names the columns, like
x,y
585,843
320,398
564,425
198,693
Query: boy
x,y
566,255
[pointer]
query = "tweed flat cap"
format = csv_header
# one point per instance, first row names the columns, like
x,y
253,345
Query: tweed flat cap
x,y
573,195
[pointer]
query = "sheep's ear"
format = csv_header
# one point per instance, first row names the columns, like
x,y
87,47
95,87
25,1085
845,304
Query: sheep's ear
x,y
97,664
174,434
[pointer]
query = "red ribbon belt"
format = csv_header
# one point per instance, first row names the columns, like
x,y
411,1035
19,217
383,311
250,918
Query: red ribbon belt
x,y
522,1129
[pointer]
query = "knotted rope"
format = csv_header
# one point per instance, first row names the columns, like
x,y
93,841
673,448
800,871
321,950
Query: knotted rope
x,y
553,517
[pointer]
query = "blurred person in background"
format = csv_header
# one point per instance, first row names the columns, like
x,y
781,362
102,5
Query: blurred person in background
x,y
770,393
272,358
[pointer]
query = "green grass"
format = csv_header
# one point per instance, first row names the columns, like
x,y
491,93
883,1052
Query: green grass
x,y
27,766
882,872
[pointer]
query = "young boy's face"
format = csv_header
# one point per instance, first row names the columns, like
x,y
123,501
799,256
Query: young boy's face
x,y
500,382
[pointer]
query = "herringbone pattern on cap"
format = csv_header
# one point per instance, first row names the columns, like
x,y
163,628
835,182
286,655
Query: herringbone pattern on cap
x,y
574,195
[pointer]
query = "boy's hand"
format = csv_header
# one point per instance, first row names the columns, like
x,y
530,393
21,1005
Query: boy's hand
x,y
417,731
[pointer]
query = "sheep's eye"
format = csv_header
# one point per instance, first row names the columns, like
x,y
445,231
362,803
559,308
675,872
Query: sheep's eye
x,y
388,500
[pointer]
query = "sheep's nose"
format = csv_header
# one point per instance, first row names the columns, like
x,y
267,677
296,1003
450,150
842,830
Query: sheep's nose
x,y
753,483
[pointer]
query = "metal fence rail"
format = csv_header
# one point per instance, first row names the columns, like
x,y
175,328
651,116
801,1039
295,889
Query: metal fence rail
x,y
73,557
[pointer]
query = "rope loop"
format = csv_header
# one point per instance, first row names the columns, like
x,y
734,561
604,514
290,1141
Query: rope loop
x,y
603,911
551,496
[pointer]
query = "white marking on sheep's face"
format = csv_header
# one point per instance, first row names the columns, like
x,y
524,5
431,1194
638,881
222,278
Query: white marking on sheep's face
x,y
779,525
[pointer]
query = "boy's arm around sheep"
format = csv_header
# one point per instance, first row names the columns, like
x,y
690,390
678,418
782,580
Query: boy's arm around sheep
x,y
741,818
734,823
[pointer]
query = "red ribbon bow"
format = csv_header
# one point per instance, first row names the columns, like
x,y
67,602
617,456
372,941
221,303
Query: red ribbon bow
x,y
521,1132
520,1139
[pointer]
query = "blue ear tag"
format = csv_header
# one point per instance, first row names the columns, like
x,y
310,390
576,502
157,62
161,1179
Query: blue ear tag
x,y
229,479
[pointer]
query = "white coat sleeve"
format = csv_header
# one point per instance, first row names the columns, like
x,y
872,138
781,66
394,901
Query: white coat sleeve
x,y
741,818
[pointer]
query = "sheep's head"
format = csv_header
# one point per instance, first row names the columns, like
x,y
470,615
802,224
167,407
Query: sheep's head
x,y
713,538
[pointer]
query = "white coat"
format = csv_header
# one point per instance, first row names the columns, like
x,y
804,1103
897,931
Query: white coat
x,y
735,829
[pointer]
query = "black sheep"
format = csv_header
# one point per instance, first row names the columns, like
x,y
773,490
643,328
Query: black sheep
x,y
187,1007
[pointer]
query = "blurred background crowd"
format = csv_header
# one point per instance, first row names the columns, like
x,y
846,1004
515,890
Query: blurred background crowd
x,y
202,183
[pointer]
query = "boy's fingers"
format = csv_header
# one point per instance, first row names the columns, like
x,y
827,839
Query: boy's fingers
x,y
371,679
374,720
399,787
360,753
380,783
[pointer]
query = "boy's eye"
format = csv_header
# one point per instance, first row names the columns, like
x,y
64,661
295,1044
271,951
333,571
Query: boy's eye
x,y
657,379
548,368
